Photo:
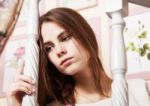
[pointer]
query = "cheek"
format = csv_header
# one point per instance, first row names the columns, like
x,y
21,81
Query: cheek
x,y
52,59
79,51
72,47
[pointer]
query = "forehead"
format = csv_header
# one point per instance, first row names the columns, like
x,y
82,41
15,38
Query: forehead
x,y
50,30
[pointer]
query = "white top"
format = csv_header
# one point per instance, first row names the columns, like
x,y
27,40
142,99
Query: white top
x,y
105,102
138,91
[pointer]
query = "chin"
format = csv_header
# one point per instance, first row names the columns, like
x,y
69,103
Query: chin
x,y
69,72
72,69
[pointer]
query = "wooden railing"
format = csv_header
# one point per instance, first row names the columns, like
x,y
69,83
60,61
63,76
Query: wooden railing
x,y
117,10
118,56
32,51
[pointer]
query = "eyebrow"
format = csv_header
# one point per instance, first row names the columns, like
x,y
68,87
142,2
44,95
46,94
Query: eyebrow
x,y
59,36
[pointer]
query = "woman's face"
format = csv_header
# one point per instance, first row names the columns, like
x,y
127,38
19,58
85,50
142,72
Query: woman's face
x,y
63,50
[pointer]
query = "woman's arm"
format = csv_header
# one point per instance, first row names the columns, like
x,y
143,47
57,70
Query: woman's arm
x,y
22,85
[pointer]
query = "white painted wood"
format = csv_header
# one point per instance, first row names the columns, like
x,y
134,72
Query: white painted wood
x,y
118,62
118,5
118,56
116,10
32,51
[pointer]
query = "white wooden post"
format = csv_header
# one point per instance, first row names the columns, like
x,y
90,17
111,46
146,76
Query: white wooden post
x,y
32,51
117,10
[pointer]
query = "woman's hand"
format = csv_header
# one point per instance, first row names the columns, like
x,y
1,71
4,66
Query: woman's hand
x,y
22,85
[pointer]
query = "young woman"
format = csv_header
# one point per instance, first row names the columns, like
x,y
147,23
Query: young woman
x,y
70,63
71,73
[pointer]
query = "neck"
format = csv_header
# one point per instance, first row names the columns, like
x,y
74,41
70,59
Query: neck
x,y
85,87
84,80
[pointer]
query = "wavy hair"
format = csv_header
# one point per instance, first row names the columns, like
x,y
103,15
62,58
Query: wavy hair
x,y
60,87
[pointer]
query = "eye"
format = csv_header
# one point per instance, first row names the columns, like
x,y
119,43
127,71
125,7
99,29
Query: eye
x,y
48,48
65,38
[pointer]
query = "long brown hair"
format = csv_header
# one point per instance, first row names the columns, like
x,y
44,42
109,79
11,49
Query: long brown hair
x,y
60,87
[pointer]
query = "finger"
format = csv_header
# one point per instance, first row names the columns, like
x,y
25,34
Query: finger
x,y
21,64
17,89
30,87
21,87
24,78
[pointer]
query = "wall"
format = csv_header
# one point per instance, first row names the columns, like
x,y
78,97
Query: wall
x,y
16,44
96,17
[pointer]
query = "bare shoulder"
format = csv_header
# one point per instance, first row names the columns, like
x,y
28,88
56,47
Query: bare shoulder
x,y
55,103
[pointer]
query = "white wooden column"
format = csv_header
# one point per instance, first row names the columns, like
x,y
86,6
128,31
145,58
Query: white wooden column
x,y
116,10
32,50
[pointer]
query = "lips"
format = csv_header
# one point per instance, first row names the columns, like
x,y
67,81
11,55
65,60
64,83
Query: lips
x,y
66,61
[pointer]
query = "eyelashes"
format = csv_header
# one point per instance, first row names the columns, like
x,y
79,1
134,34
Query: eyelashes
x,y
48,49
66,38
50,45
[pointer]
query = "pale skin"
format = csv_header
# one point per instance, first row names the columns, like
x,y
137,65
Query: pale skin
x,y
63,45
69,57
22,85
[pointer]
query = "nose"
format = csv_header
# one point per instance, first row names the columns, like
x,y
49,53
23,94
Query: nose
x,y
60,50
